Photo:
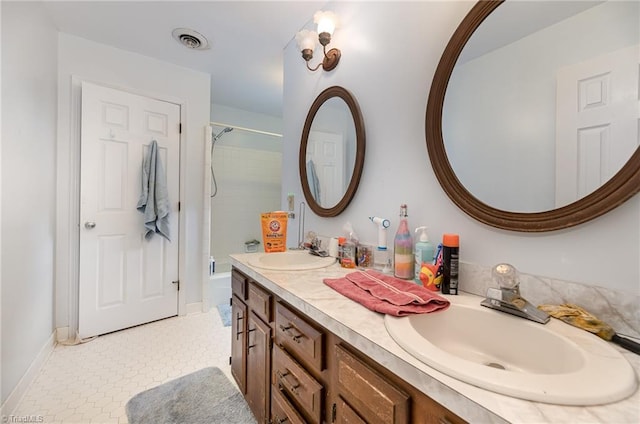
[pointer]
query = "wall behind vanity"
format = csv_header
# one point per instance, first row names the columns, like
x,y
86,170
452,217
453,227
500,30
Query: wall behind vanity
x,y
390,51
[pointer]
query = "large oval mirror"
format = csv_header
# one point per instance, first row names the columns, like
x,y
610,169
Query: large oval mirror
x,y
332,152
532,117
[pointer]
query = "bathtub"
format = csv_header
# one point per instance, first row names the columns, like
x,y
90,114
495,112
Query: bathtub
x,y
219,288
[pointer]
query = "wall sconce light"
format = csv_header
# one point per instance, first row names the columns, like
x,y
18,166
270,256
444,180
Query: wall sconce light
x,y
307,41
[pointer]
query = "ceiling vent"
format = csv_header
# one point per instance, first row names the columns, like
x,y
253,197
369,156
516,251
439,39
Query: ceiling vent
x,y
190,39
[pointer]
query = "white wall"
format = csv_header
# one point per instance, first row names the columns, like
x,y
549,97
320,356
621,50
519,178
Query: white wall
x,y
85,59
29,50
389,69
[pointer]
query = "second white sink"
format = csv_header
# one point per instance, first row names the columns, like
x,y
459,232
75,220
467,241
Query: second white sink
x,y
292,260
552,363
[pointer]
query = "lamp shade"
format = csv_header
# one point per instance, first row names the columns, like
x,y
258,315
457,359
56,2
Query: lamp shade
x,y
326,21
306,39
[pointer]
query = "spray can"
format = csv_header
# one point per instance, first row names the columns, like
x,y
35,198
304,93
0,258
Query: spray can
x,y
450,253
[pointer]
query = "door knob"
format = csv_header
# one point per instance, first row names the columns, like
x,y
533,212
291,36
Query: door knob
x,y
89,225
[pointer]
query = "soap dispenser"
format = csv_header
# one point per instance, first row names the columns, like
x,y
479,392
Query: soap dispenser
x,y
423,252
403,248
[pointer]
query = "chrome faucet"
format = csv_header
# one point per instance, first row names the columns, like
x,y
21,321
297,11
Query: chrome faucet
x,y
507,298
314,245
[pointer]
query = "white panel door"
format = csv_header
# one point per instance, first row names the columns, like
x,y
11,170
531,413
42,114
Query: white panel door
x,y
125,279
596,121
326,150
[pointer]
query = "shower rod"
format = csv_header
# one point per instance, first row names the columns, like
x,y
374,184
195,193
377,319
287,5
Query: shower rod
x,y
235,127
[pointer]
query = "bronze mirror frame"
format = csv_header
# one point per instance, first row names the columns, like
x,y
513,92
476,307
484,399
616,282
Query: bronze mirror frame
x,y
621,187
334,91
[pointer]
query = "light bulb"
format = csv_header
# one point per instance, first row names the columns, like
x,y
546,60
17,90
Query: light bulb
x,y
306,39
326,21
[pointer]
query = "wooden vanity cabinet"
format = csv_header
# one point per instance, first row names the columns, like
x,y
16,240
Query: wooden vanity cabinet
x,y
295,371
251,335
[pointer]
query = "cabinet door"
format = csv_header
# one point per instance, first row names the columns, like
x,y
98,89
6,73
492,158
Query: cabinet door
x,y
239,342
258,367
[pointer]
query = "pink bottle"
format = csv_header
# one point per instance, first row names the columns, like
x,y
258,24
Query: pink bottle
x,y
403,266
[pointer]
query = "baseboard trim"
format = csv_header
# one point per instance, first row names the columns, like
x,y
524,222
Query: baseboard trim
x,y
194,308
9,406
62,334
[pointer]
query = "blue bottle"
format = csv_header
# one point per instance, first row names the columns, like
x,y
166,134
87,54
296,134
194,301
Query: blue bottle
x,y
424,251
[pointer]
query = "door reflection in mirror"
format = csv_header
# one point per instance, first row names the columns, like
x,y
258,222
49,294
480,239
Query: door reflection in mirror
x,y
522,124
331,151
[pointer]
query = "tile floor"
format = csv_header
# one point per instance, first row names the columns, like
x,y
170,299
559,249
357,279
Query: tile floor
x,y
92,382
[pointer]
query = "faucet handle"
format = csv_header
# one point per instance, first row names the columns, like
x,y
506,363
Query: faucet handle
x,y
506,276
493,293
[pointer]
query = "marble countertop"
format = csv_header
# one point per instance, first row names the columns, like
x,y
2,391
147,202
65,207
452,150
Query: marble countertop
x,y
365,330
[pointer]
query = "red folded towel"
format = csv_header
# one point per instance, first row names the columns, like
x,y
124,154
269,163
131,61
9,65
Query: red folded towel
x,y
386,294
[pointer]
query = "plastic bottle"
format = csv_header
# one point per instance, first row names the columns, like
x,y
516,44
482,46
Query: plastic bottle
x,y
423,252
450,252
403,248
348,254
341,242
381,254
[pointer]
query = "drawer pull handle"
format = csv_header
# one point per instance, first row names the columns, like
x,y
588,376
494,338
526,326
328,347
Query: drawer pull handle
x,y
443,420
238,319
287,329
283,378
250,330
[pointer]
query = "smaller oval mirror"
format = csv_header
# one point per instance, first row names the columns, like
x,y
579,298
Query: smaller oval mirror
x,y
332,152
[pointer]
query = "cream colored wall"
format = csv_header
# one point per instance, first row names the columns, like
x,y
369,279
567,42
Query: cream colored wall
x,y
389,69
29,86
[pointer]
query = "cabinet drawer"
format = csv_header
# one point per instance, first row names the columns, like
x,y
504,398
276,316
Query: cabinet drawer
x,y
239,285
259,301
297,384
282,411
370,395
346,415
299,338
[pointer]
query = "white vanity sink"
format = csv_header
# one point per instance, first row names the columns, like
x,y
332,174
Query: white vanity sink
x,y
292,260
552,363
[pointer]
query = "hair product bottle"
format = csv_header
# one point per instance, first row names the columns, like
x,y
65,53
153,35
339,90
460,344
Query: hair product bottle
x,y
423,252
403,248
450,251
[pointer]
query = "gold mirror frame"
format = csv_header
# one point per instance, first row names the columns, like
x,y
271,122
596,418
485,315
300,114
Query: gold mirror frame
x,y
624,185
335,91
